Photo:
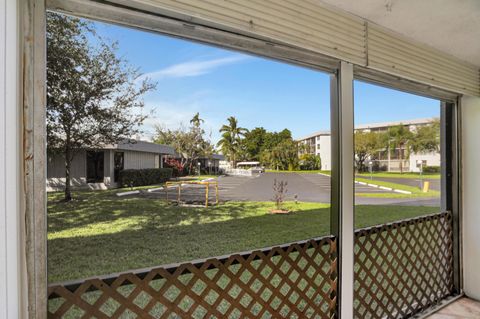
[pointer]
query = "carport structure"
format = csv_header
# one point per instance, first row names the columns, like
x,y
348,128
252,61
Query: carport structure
x,y
428,260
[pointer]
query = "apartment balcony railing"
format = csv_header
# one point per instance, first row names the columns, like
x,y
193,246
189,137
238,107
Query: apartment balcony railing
x,y
393,165
400,269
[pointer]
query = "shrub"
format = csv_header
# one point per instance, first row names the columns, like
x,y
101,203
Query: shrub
x,y
310,162
142,177
279,192
431,169
177,167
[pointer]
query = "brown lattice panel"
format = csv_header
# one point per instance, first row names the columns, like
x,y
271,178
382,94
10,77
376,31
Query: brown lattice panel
x,y
403,267
297,280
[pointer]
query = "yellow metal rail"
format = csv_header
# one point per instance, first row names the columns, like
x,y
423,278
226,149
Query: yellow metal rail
x,y
207,189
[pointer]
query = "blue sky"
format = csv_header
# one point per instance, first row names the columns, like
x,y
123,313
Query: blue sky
x,y
218,83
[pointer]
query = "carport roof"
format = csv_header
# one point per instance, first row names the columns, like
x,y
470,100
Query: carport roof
x,y
142,146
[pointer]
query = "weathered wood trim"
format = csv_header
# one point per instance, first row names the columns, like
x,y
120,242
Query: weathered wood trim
x,y
33,86
188,29
315,27
191,28
401,84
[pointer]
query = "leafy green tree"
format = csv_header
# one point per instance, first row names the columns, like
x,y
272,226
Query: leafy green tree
x,y
399,138
310,162
283,156
253,142
272,139
190,143
231,140
93,96
426,138
367,145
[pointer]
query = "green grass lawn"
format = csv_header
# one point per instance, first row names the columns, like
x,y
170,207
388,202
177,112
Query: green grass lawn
x,y
315,171
401,175
416,192
366,175
100,233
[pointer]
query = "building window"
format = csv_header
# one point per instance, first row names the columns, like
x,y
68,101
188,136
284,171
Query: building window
x,y
158,161
95,166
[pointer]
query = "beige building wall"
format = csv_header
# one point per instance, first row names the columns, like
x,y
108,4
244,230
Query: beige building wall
x,y
56,171
470,108
139,160
132,160
108,168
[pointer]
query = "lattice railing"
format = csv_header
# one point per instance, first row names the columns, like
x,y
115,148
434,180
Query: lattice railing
x,y
404,267
297,280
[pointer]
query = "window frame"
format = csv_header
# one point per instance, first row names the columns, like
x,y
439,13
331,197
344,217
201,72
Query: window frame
x,y
343,74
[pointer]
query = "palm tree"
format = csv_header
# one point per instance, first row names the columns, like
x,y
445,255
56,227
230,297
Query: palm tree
x,y
399,137
196,120
230,142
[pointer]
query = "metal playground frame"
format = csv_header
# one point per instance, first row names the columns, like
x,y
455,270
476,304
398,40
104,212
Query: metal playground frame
x,y
207,189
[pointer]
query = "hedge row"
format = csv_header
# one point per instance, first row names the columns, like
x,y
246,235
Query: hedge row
x,y
431,169
142,177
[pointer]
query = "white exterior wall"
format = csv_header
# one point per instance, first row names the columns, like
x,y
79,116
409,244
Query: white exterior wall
x,y
325,152
470,108
11,246
433,159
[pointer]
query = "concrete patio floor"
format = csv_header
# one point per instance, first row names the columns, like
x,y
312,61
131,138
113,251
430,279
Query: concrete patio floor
x,y
464,308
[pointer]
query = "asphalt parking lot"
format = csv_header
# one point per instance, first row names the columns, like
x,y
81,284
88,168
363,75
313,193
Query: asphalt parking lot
x,y
307,187
303,187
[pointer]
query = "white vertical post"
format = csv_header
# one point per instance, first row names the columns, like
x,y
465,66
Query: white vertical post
x,y
342,211
470,201
11,246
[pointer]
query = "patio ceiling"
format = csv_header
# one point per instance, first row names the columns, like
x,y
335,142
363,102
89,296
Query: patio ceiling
x,y
450,26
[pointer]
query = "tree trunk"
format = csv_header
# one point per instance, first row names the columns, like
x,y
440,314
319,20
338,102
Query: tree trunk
x,y
68,162
401,160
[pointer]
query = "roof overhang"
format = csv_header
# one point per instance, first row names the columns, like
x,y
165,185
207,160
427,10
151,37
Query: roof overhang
x,y
449,26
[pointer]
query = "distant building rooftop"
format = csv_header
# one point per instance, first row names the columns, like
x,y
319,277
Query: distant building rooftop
x,y
373,126
318,133
219,157
389,124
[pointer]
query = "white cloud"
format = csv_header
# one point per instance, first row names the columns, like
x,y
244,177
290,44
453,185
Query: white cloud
x,y
174,114
192,68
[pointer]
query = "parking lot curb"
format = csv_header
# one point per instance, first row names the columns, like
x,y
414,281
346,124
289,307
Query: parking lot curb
x,y
385,188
